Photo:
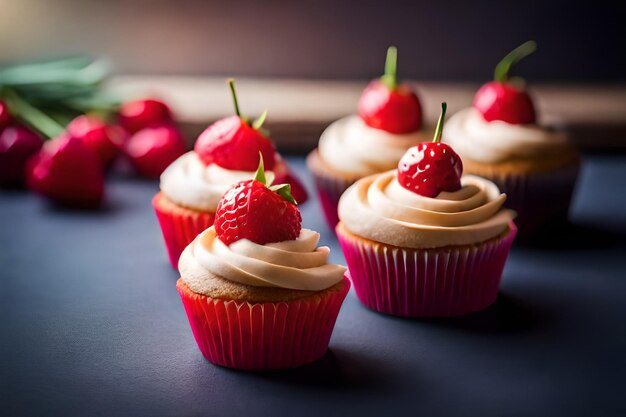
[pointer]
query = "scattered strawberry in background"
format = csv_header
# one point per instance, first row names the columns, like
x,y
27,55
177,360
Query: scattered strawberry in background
x,y
431,167
390,106
252,210
67,172
105,140
138,114
502,99
17,145
152,149
5,115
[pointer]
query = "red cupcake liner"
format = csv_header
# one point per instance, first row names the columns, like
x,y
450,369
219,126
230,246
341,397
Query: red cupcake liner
x,y
540,199
439,282
180,228
262,336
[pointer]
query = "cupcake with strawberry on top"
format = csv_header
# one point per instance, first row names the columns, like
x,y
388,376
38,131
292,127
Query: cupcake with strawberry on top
x,y
258,291
422,240
499,138
389,121
225,153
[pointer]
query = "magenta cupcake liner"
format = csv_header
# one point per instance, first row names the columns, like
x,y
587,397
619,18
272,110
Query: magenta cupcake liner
x,y
437,282
539,199
262,336
329,191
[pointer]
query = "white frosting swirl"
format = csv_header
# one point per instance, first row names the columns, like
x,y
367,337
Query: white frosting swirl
x,y
474,138
190,183
294,264
349,145
380,209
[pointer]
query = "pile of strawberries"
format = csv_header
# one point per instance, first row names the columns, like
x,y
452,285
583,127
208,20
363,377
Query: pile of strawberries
x,y
69,170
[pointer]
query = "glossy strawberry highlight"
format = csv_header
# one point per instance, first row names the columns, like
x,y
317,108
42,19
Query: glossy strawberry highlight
x,y
252,210
234,142
502,100
17,145
103,139
67,172
139,114
431,167
390,106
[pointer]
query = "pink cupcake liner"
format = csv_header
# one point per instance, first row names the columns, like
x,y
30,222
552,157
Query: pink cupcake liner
x,y
262,336
538,198
180,229
437,282
329,191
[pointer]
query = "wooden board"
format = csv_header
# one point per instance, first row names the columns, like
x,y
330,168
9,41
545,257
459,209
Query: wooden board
x,y
299,110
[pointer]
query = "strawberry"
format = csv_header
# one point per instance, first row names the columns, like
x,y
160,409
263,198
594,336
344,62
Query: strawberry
x,y
152,149
252,210
234,142
103,139
5,115
503,100
431,167
390,106
139,114
67,172
17,145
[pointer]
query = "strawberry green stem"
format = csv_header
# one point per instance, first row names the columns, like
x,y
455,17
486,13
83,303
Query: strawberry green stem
x,y
501,72
439,128
31,115
390,78
231,83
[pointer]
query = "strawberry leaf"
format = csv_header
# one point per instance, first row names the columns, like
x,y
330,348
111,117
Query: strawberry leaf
x,y
284,190
259,122
260,172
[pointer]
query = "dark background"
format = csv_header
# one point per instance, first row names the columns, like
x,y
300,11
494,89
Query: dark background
x,y
437,40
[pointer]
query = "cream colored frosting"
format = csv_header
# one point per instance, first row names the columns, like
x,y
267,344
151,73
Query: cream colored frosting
x,y
380,209
349,145
295,264
190,183
474,138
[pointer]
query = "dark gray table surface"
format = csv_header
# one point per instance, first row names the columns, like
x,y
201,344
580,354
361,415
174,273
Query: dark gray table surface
x,y
91,324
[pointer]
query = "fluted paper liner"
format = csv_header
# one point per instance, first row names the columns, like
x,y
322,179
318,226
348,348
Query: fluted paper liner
x,y
539,198
329,189
261,336
180,228
438,282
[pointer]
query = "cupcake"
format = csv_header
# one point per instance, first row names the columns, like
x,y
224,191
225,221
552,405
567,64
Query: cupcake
x,y
389,121
225,153
500,139
423,240
257,290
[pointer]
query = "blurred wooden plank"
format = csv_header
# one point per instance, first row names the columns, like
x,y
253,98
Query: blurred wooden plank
x,y
298,110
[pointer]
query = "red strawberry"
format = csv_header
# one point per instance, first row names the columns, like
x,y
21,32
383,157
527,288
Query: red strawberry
x,y
250,210
431,167
502,100
152,149
17,145
390,106
234,142
138,114
67,172
5,115
101,138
